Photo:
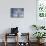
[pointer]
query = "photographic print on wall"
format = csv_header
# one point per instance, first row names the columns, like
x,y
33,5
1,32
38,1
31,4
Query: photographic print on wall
x,y
41,12
17,12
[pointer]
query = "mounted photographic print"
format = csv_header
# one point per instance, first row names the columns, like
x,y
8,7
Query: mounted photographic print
x,y
17,12
41,12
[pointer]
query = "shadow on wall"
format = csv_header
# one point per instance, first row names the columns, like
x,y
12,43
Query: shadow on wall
x,y
32,30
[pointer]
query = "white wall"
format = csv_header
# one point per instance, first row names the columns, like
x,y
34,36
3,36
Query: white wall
x,y
23,23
